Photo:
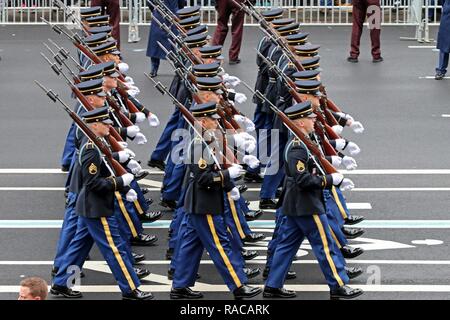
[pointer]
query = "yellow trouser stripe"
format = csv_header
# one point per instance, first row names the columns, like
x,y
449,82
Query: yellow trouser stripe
x,y
117,254
327,249
138,207
335,238
338,202
235,217
125,214
222,252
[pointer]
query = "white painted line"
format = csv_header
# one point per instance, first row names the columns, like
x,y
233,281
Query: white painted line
x,y
254,205
152,183
422,47
445,115
31,189
431,77
139,50
15,171
398,189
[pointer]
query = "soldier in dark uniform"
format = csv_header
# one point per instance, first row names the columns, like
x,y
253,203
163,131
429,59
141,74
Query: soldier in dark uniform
x,y
205,226
97,223
303,206
112,8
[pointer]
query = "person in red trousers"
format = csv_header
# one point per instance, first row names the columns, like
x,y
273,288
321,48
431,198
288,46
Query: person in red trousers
x,y
225,9
361,9
112,8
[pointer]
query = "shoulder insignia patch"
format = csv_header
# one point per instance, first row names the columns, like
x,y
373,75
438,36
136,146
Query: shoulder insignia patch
x,y
92,169
202,163
300,166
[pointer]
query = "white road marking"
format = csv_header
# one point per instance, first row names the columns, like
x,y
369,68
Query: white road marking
x,y
152,183
431,77
422,47
428,242
398,189
445,115
31,189
254,205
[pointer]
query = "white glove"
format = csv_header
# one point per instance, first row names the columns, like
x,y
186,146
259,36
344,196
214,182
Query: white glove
x,y
337,129
127,178
345,115
123,67
251,161
247,136
140,138
133,92
131,195
239,119
153,120
249,125
353,148
235,171
340,144
129,80
240,97
132,131
123,144
140,116
123,156
337,178
357,127
349,163
347,184
336,161
130,152
234,194
232,80
134,166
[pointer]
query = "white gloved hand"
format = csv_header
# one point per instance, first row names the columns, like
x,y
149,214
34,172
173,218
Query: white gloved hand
x,y
349,163
347,184
251,161
240,97
345,115
357,127
140,116
249,125
123,67
123,156
131,195
235,171
234,194
340,144
239,119
134,166
123,144
337,178
130,152
129,80
153,120
337,129
353,148
232,80
132,131
247,136
127,178
133,92
336,161
140,138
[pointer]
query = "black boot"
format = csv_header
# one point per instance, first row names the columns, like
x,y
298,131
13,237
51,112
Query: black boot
x,y
157,164
351,220
144,240
185,293
353,272
254,237
246,292
141,273
65,292
249,254
352,233
150,216
251,272
138,257
242,188
137,294
278,293
253,215
351,252
345,292
141,175
267,204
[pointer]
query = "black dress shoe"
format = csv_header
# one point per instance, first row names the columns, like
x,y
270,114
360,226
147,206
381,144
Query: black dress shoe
x,y
169,253
157,164
352,60
252,177
65,168
235,61
267,204
148,201
242,188
353,272
65,292
289,276
185,293
138,257
246,292
150,216
144,240
145,191
352,233
278,192
137,294
253,215
141,272
171,204
351,252
251,272
438,76
345,292
254,237
249,254
171,272
379,59
153,74
351,220
141,175
278,293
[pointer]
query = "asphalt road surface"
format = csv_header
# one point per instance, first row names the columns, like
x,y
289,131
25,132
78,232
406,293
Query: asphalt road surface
x,y
402,184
